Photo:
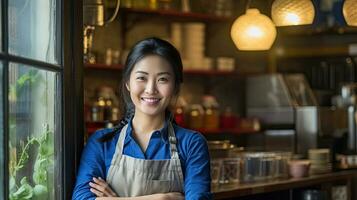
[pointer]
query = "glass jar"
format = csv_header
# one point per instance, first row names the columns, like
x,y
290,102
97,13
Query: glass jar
x,y
179,116
195,116
106,104
228,119
211,117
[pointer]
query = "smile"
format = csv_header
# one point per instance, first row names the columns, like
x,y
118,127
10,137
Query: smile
x,y
150,100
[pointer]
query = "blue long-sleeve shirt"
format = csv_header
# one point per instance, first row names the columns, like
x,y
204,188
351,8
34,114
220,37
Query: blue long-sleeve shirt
x,y
192,148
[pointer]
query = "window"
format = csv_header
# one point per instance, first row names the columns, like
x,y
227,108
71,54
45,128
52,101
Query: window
x,y
33,29
32,119
41,81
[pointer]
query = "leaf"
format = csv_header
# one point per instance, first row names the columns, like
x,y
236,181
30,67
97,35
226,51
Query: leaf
x,y
24,192
22,79
40,192
12,184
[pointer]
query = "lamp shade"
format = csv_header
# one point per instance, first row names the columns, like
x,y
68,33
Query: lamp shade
x,y
253,31
350,12
292,12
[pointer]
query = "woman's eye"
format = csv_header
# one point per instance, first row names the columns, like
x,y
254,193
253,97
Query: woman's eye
x,y
163,79
140,78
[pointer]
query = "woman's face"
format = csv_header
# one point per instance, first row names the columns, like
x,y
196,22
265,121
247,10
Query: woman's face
x,y
151,85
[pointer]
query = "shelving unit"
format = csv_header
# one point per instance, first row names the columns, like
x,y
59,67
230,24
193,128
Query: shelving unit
x,y
129,17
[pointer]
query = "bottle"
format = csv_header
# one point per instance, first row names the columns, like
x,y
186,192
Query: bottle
x,y
195,117
211,113
179,116
227,119
179,112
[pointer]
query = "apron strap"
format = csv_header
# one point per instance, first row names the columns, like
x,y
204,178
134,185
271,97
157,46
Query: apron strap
x,y
117,154
174,154
120,145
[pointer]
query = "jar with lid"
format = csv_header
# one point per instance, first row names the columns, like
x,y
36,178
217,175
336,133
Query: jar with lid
x,y
196,116
179,112
106,103
211,116
228,119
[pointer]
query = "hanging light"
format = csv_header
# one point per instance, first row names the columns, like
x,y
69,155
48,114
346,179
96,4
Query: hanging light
x,y
253,31
292,12
350,12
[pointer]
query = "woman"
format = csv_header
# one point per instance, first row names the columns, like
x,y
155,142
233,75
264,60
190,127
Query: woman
x,y
146,156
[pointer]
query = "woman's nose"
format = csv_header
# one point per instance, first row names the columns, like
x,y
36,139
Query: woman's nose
x,y
151,87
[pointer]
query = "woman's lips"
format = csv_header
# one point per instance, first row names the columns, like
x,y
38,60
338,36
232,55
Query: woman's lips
x,y
150,101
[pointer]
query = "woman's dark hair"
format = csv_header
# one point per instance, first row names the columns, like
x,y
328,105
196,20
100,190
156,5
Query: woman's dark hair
x,y
149,46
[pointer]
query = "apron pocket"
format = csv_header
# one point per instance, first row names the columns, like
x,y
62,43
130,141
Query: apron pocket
x,y
158,186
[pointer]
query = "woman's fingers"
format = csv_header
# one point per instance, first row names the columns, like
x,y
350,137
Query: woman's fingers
x,y
107,187
176,196
103,187
97,193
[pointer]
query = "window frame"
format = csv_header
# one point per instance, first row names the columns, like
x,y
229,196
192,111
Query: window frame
x,y
70,93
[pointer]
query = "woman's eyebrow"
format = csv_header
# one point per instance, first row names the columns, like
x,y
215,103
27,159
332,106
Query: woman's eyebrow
x,y
164,73
160,73
141,72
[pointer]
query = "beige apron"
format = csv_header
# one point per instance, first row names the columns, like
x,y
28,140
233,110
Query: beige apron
x,y
130,177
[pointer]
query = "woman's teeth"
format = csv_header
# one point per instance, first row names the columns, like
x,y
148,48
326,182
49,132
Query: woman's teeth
x,y
150,100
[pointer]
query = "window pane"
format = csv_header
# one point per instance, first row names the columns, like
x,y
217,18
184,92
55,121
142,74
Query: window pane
x,y
1,133
0,25
32,119
32,29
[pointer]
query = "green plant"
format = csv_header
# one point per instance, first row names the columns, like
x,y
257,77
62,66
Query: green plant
x,y
44,160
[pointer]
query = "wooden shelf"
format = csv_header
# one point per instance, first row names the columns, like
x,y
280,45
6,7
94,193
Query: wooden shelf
x,y
119,67
309,30
178,15
319,51
209,72
234,131
101,66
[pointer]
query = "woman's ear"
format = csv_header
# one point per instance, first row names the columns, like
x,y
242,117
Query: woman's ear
x,y
127,86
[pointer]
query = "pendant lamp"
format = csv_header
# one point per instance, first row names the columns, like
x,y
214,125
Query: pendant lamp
x,y
350,12
292,12
253,31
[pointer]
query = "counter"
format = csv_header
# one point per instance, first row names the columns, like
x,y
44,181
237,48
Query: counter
x,y
246,189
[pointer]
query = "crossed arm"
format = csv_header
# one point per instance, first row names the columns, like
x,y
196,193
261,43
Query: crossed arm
x,y
103,192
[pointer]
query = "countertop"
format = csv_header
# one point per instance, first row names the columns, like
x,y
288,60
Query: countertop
x,y
245,189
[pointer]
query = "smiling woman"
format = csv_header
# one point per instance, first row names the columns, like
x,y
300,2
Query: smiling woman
x,y
151,88
146,156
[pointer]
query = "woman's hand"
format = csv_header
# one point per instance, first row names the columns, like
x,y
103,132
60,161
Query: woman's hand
x,y
101,188
161,196
173,196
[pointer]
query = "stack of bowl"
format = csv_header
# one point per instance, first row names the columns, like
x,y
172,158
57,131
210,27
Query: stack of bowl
x,y
320,161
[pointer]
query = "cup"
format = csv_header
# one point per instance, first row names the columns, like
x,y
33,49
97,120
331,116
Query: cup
x,y
299,168
230,170
216,165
